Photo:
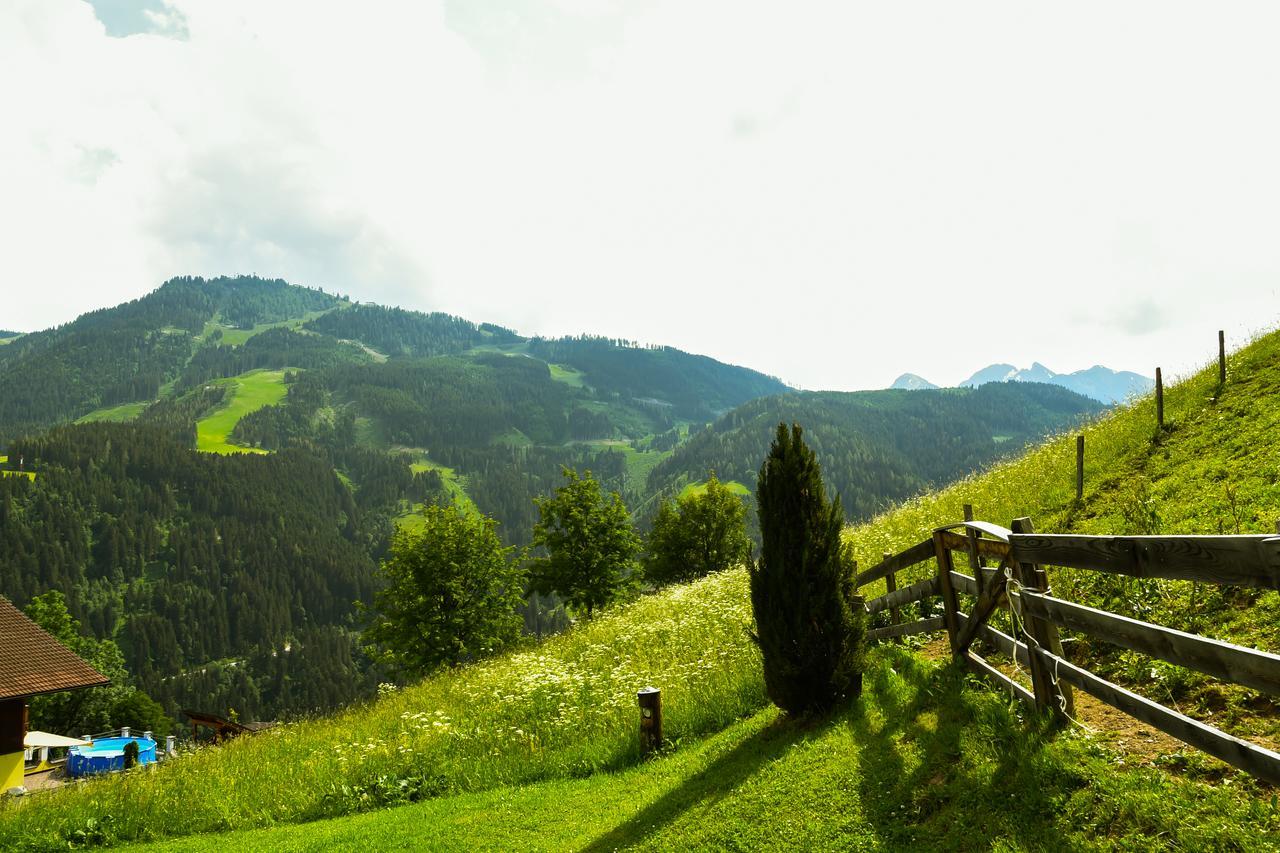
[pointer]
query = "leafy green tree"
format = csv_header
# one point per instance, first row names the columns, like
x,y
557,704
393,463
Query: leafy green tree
x,y
141,714
590,542
453,594
697,534
809,622
77,712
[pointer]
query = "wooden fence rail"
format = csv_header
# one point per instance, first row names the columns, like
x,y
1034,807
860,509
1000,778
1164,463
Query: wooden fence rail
x,y
1019,582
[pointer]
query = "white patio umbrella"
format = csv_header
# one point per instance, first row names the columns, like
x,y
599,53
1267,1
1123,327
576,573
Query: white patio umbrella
x,y
35,740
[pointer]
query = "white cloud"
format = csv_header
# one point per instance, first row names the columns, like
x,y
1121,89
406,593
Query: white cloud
x,y
831,192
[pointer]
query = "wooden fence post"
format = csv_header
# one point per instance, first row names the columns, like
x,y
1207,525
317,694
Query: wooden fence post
x,y
650,699
891,585
947,591
1222,358
975,559
1159,399
1080,467
1042,633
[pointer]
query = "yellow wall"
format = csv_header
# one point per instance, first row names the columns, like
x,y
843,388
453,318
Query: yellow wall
x,y
10,771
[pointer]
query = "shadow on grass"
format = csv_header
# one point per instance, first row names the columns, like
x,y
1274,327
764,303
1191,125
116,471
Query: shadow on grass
x,y
711,784
943,767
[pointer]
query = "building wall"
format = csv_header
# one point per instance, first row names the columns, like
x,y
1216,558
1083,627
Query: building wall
x,y
10,771
13,729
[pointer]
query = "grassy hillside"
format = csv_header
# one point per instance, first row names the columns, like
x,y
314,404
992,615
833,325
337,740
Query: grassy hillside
x,y
923,761
563,710
1210,471
249,393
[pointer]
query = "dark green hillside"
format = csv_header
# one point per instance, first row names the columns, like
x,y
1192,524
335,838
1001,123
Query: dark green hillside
x,y
186,557
457,401
694,386
118,355
878,447
397,332
271,349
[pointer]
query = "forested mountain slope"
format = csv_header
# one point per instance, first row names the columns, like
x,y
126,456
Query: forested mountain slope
x,y
357,415
186,558
879,447
122,354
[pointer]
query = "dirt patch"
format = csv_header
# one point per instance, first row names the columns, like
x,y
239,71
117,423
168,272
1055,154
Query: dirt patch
x,y
1115,729
1123,733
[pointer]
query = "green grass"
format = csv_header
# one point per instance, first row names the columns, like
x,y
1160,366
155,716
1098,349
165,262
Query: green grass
x,y
698,488
638,462
568,375
563,710
232,336
248,393
1211,470
924,761
455,486
122,412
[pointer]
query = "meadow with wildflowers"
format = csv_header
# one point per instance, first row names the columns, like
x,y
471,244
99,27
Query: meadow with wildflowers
x,y
563,709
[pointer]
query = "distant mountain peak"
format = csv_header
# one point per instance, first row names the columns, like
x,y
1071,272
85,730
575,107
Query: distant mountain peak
x,y
991,373
912,382
1098,382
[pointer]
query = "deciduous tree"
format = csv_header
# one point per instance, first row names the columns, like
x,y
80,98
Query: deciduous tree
x,y
590,543
453,593
697,534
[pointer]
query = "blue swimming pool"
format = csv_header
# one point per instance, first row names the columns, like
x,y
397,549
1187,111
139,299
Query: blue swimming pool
x,y
107,754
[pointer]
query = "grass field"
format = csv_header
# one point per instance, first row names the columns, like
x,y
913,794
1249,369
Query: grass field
x,y
568,375
455,486
917,764
698,488
249,392
122,412
234,337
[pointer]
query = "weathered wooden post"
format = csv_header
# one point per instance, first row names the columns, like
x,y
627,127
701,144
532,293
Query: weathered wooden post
x,y
891,585
975,559
650,699
1222,358
1041,633
948,593
1079,467
1159,399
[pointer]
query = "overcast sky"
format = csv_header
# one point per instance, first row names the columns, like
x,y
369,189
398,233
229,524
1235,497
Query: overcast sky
x,y
834,193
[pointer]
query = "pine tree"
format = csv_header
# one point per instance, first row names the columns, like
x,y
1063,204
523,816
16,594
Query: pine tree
x,y
809,622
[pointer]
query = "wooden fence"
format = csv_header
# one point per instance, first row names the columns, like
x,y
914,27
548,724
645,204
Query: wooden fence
x,y
1007,568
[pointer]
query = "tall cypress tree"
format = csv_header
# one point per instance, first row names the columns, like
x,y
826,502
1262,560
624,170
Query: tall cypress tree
x,y
809,622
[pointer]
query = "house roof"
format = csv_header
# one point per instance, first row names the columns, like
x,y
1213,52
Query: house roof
x,y
33,662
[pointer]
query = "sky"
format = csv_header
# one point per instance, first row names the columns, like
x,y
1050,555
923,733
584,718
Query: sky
x,y
830,192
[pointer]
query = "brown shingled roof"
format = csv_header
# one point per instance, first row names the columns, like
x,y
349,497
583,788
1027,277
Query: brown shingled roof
x,y
33,662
